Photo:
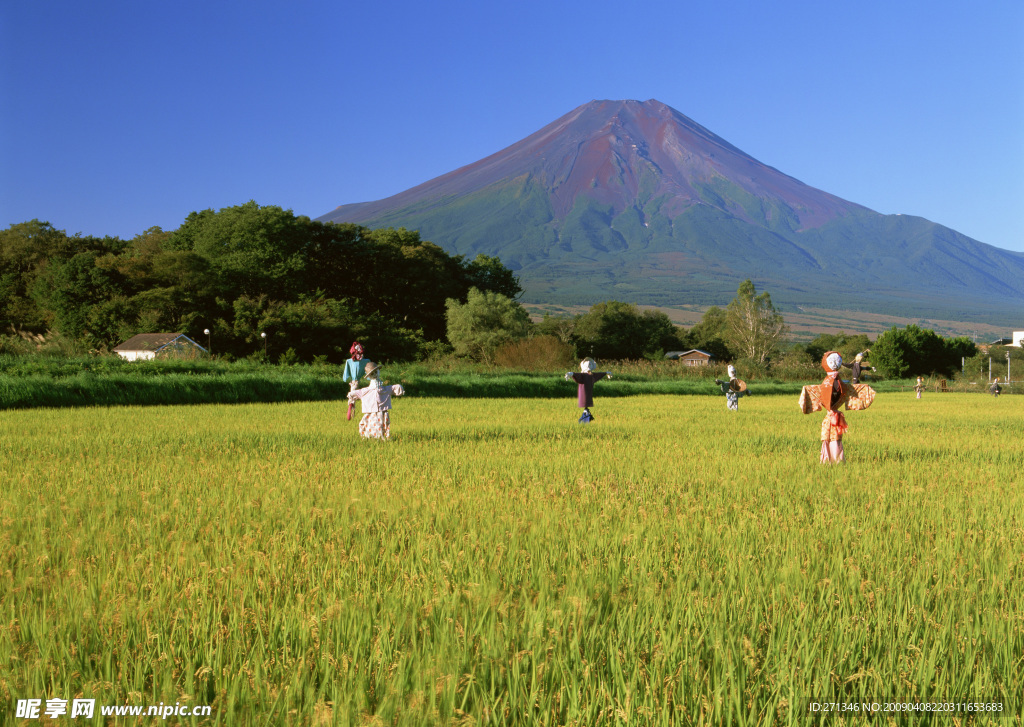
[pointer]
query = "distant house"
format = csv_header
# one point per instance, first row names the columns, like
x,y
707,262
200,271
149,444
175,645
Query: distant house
x,y
693,357
1018,339
149,345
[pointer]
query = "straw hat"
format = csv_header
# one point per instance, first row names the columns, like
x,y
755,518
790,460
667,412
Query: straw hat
x,y
738,385
371,367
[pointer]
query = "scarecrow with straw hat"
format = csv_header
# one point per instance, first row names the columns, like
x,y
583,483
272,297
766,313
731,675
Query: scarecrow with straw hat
x,y
376,404
829,396
733,389
354,369
585,390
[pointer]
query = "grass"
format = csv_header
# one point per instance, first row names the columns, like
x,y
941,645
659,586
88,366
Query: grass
x,y
32,382
495,563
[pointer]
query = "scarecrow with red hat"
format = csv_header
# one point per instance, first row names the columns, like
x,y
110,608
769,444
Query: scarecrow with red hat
x,y
355,367
831,394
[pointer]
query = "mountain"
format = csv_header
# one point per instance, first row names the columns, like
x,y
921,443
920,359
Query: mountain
x,y
634,201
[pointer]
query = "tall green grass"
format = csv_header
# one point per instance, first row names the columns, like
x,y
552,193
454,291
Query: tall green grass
x,y
496,563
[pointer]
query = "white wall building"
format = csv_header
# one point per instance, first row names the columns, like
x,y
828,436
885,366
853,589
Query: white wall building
x,y
1018,338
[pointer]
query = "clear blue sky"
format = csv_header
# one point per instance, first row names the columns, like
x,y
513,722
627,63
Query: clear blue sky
x,y
116,116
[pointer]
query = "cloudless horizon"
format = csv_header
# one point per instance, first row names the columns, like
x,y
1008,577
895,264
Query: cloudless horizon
x,y
119,116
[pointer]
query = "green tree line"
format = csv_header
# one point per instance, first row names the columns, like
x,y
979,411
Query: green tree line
x,y
314,287
750,331
487,326
239,272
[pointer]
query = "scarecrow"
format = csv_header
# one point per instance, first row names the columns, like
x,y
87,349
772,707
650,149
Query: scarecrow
x,y
376,404
733,389
995,389
919,386
585,392
830,395
354,369
858,364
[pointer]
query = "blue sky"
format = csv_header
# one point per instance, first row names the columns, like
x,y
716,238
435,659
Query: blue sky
x,y
119,116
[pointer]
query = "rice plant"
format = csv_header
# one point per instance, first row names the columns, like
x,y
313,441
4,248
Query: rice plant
x,y
672,563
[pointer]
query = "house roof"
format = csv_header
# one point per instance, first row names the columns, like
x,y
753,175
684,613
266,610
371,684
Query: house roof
x,y
680,354
153,342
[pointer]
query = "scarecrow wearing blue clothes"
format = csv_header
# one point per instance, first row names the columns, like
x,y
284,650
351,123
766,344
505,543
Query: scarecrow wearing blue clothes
x,y
585,391
355,368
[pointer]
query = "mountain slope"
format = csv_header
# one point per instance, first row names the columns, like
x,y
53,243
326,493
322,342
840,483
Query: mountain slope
x,y
635,201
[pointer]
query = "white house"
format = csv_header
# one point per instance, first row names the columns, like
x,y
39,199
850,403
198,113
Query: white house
x,y
1018,338
148,345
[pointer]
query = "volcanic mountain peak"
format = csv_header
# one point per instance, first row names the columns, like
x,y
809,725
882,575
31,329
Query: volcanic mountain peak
x,y
621,154
635,201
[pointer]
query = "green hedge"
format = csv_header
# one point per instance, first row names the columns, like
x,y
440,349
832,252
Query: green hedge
x,y
27,382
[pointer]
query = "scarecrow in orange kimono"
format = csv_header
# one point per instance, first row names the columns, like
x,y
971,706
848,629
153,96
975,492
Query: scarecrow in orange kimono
x,y
355,367
376,404
733,389
585,390
829,396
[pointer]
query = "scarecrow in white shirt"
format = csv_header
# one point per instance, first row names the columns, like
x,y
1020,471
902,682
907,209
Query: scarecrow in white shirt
x,y
376,404
733,389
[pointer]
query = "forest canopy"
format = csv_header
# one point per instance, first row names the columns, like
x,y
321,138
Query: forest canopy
x,y
241,271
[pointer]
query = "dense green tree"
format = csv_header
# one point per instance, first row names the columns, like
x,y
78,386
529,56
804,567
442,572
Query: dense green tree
x,y
754,328
256,250
616,330
484,323
710,334
915,351
411,280
241,271
846,344
70,289
488,273
25,251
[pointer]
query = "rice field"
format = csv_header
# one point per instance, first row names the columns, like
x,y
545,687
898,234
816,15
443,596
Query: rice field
x,y
672,563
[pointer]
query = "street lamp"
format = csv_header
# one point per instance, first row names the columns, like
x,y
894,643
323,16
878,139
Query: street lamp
x,y
209,346
264,337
